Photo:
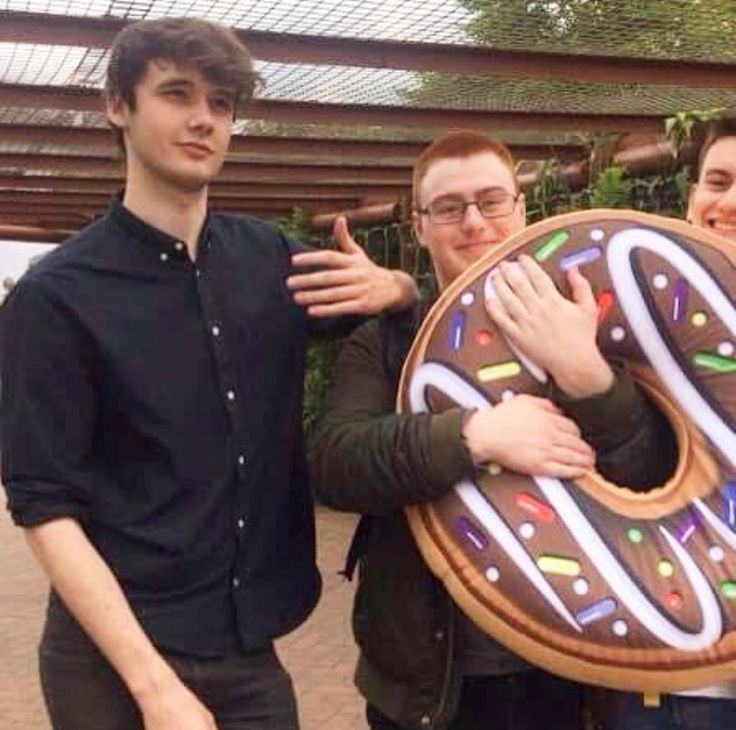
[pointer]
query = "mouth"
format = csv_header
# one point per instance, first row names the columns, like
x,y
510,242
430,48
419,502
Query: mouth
x,y
196,148
477,244
725,228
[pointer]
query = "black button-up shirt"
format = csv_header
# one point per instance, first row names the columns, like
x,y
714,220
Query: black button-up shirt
x,y
158,402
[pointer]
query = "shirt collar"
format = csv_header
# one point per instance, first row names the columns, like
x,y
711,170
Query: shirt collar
x,y
165,246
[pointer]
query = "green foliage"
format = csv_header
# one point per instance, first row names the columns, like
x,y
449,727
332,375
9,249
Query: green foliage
x,y
611,189
317,379
679,127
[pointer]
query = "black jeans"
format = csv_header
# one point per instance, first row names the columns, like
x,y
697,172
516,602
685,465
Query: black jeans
x,y
531,700
249,691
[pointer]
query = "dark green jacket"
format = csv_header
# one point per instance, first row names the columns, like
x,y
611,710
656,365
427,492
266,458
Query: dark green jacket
x,y
368,459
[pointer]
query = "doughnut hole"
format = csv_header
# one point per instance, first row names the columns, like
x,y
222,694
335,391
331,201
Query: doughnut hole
x,y
696,473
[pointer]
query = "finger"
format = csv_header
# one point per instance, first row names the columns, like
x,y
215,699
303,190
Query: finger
x,y
499,315
323,259
331,295
544,404
539,278
519,282
337,309
513,306
570,457
561,470
573,444
566,425
582,292
326,278
340,232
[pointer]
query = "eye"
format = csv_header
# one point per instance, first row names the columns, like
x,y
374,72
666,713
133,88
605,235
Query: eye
x,y
224,104
446,207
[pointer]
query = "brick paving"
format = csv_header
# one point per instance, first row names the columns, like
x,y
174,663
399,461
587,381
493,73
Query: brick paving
x,y
320,654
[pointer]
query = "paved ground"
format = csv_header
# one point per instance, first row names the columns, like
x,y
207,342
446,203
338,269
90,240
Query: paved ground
x,y
320,654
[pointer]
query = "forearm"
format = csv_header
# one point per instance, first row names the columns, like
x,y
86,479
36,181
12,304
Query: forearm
x,y
634,443
377,463
92,594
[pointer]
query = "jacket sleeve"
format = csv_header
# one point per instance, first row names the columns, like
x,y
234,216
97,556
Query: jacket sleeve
x,y
365,457
634,443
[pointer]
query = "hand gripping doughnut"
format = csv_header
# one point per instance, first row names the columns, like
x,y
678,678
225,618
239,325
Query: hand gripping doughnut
x,y
586,578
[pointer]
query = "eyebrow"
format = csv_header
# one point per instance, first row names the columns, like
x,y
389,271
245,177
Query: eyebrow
x,y
482,191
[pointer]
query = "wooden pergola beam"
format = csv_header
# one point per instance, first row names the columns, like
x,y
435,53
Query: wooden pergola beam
x,y
17,27
304,112
274,146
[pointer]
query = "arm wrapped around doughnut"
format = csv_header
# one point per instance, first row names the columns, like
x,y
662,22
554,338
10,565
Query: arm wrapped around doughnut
x,y
587,578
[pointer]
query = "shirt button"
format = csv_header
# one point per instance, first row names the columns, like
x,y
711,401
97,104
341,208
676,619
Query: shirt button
x,y
196,273
241,460
425,720
439,635
236,582
231,395
241,523
179,246
164,256
215,330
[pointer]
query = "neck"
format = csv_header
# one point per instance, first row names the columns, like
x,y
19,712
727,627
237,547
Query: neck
x,y
179,213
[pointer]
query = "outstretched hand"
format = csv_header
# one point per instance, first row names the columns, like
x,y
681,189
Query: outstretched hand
x,y
348,282
557,333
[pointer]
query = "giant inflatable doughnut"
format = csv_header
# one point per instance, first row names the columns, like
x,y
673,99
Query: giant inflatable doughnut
x,y
588,579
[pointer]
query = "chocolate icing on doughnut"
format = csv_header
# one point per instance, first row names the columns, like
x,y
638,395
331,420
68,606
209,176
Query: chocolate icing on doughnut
x,y
590,579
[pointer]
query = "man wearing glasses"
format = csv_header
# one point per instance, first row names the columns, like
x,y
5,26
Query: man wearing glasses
x,y
422,663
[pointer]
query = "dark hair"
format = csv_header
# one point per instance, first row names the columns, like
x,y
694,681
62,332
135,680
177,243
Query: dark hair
x,y
715,130
458,144
213,50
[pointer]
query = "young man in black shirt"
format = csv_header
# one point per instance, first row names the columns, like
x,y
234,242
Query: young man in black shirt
x,y
151,393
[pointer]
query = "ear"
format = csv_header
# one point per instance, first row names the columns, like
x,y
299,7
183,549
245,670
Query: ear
x,y
116,111
417,228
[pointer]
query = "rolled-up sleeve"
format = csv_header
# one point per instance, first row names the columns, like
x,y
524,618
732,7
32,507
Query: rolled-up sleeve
x,y
47,408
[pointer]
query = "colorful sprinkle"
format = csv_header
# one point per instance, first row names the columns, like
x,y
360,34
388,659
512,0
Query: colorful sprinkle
x,y
597,234
471,533
557,565
556,241
580,586
699,319
467,299
500,370
620,627
729,504
634,534
718,363
725,349
527,530
687,529
494,469
493,574
483,337
679,300
716,553
675,600
534,506
618,333
457,330
580,258
604,302
660,281
728,589
665,568
596,611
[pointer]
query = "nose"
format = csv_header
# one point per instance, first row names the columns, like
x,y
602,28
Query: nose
x,y
201,117
472,218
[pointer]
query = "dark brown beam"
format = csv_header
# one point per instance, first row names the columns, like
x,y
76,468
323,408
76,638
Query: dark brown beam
x,y
265,189
231,172
276,146
26,233
50,97
444,58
